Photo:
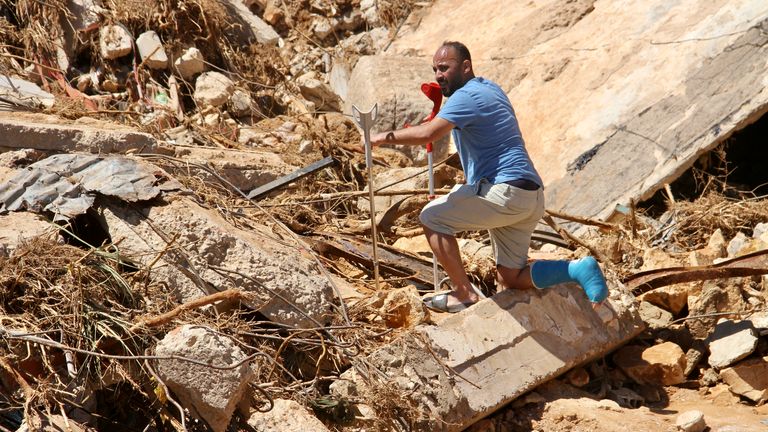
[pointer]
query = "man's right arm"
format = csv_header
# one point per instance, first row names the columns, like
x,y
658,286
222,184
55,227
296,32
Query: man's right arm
x,y
416,135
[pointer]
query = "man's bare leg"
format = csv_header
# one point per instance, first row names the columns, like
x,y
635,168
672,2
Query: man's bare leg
x,y
509,278
446,249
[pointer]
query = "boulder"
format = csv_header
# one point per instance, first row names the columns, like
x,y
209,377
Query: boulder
x,y
403,307
655,317
211,393
240,103
716,296
318,92
691,421
250,27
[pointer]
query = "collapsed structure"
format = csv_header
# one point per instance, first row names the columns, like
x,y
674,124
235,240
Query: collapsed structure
x,y
183,228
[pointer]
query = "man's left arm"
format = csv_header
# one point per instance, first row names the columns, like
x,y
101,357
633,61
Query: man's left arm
x,y
416,135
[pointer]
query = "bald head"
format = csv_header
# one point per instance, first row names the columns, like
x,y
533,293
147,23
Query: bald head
x,y
452,65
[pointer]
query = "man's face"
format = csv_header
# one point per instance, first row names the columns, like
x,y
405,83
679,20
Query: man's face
x,y
450,73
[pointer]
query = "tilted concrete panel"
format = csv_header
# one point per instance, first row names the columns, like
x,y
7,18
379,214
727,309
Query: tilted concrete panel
x,y
476,361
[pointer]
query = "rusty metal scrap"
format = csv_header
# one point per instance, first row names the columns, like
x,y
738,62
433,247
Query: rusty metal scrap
x,y
752,264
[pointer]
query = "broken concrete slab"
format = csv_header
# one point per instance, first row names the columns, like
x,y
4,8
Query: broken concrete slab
x,y
647,93
212,394
477,360
245,169
17,227
50,133
202,253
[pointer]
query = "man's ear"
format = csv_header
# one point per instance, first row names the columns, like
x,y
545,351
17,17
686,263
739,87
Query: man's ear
x,y
466,66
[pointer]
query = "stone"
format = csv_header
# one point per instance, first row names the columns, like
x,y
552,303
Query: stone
x,y
416,244
286,416
716,296
671,298
252,28
662,364
655,317
731,342
211,393
318,92
748,378
759,229
115,41
759,321
322,27
692,358
709,378
338,77
548,331
240,103
213,89
691,421
190,63
737,244
151,50
403,307
287,286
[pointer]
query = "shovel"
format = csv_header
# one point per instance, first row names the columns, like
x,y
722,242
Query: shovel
x,y
432,91
365,121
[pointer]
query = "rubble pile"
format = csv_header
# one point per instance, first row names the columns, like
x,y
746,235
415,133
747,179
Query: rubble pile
x,y
184,214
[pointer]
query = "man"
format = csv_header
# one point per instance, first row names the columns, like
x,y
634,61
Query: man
x,y
503,192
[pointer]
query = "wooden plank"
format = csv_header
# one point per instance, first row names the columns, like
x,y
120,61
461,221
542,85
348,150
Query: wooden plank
x,y
284,180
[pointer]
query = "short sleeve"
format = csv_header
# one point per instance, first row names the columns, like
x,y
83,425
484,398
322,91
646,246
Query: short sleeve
x,y
460,109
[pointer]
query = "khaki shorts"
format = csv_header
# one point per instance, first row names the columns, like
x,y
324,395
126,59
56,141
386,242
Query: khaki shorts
x,y
508,213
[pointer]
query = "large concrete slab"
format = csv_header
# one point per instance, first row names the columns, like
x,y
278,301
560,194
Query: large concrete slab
x,y
476,361
614,98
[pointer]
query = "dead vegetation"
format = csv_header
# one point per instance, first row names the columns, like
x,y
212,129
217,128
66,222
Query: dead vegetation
x,y
79,321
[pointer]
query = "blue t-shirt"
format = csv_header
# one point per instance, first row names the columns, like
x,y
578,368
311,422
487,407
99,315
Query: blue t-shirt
x,y
487,135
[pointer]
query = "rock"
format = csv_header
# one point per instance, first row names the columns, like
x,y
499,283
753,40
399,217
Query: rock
x,y
252,28
286,416
211,393
403,308
759,321
151,50
190,63
709,378
731,342
655,317
115,41
716,296
660,364
577,377
691,421
306,147
759,229
338,77
213,89
735,246
692,358
749,379
18,227
417,244
240,103
322,27
370,12
671,298
318,92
